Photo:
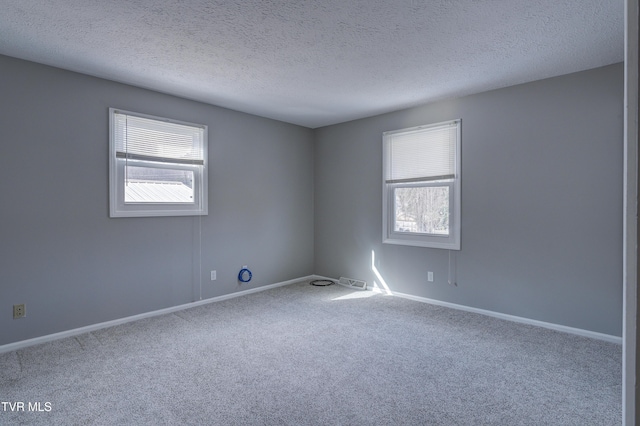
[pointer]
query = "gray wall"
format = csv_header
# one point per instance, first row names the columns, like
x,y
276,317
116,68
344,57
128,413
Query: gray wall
x,y
73,266
541,202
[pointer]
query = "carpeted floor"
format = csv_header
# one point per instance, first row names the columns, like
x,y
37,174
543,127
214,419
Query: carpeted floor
x,y
300,355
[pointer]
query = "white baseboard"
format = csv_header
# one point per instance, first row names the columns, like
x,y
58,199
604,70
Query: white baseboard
x,y
513,318
76,331
557,327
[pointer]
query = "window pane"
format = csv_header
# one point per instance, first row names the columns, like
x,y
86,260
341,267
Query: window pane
x,y
157,185
422,210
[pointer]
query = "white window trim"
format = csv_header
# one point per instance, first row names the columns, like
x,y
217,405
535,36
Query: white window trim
x,y
117,205
389,235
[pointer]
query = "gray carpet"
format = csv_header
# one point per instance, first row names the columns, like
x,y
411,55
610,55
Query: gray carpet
x,y
300,355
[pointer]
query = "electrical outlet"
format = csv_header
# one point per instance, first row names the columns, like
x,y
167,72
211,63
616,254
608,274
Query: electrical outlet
x,y
430,276
19,311
213,275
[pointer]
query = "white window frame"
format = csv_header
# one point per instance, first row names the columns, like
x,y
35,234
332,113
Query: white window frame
x,y
117,205
389,235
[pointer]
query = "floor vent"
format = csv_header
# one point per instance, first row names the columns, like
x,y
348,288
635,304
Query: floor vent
x,y
351,283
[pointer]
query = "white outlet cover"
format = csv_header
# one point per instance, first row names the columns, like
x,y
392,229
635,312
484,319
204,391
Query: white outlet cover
x,y
213,275
430,276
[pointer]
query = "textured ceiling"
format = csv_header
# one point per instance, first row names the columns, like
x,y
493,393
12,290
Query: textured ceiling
x,y
316,62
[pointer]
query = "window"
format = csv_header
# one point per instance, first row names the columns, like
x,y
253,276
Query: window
x,y
157,166
421,189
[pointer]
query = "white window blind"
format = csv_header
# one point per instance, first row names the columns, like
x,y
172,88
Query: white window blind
x,y
418,155
139,138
